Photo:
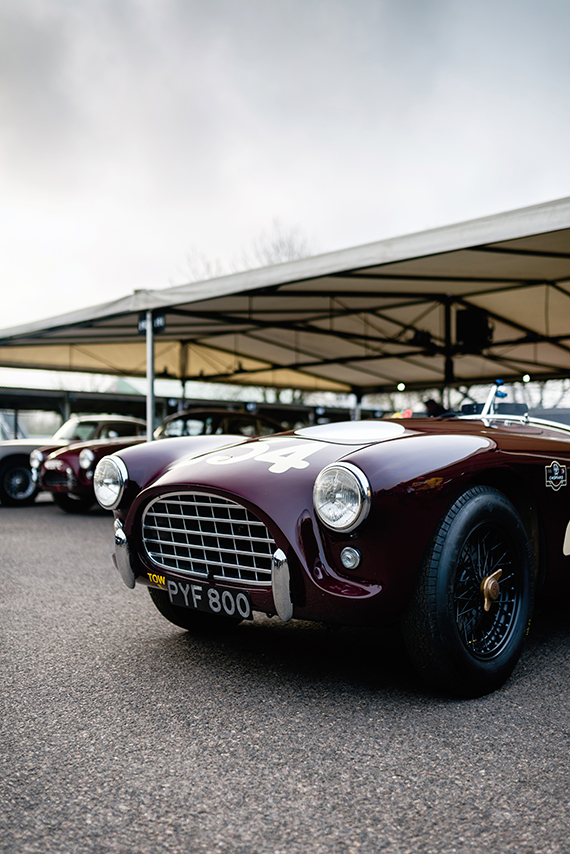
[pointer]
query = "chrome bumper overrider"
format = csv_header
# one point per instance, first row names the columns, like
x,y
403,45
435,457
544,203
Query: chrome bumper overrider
x,y
122,555
281,585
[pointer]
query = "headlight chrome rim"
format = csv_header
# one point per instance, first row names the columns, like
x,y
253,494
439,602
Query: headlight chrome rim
x,y
362,492
109,481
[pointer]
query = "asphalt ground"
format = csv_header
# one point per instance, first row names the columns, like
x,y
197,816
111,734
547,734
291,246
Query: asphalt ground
x,y
122,733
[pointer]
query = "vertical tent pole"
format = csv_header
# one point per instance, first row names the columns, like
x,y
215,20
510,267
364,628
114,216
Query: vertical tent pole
x,y
449,367
356,413
183,368
149,376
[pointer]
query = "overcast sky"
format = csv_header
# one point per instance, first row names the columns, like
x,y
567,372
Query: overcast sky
x,y
137,132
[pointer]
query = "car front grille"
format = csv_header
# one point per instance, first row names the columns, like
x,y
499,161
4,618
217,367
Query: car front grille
x,y
55,478
209,537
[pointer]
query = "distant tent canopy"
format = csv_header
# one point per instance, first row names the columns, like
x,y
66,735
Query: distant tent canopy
x,y
452,306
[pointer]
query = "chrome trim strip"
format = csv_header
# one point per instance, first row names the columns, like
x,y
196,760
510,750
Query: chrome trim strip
x,y
220,536
205,548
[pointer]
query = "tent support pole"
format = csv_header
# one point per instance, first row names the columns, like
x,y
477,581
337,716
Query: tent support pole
x,y
449,372
149,376
356,413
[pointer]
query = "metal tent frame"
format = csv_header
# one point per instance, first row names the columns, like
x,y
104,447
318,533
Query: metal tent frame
x,y
451,306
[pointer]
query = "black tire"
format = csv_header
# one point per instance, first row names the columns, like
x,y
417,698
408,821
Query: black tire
x,y
189,618
456,643
72,503
17,486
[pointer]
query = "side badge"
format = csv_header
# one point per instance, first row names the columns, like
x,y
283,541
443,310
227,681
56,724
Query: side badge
x,y
555,475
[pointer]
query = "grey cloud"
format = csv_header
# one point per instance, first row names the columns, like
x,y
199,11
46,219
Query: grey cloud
x,y
133,131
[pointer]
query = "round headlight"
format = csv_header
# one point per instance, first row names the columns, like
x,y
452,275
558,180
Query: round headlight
x,y
109,482
341,496
36,458
86,458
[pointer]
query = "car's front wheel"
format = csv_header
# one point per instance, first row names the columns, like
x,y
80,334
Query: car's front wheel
x,y
467,620
189,618
72,503
17,486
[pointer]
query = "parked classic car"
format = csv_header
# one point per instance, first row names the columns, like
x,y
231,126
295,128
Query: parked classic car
x,y
68,472
448,524
17,485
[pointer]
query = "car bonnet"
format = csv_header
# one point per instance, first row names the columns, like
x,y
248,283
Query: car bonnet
x,y
277,460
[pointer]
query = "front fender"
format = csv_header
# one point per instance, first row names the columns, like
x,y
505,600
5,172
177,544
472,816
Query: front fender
x,y
416,456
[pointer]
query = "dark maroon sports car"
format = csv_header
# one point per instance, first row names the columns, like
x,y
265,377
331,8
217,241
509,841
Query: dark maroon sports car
x,y
448,524
18,486
68,472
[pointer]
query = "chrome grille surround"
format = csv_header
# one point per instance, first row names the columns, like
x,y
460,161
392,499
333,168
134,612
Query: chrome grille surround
x,y
207,536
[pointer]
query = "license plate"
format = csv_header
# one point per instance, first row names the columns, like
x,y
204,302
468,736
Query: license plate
x,y
212,600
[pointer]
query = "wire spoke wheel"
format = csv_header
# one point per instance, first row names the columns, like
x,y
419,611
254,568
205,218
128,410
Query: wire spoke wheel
x,y
466,622
485,632
17,485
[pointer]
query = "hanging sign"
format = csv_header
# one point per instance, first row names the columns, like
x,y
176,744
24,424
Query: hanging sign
x,y
158,323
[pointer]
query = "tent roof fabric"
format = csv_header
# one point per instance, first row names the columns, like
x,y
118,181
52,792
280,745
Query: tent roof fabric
x,y
456,305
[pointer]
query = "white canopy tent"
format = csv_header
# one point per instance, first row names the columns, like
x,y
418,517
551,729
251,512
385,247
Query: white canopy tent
x,y
451,306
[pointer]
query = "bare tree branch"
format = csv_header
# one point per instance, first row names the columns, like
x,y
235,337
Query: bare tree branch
x,y
275,245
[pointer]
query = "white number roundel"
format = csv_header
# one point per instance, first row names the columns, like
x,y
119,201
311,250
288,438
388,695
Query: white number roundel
x,y
282,457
